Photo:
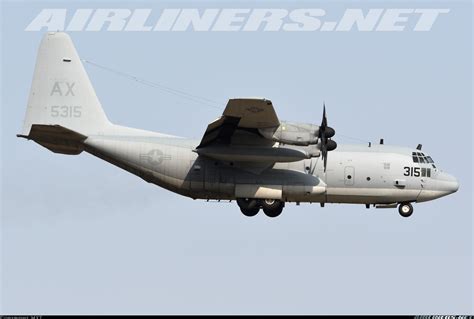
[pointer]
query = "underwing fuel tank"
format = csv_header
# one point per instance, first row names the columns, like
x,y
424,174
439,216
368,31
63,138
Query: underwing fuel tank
x,y
255,154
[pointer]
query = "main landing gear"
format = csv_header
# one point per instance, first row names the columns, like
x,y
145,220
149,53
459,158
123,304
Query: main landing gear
x,y
405,209
250,207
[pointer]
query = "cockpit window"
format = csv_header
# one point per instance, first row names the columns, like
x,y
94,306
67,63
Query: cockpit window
x,y
419,157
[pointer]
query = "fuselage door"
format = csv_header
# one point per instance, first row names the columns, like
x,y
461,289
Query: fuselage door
x,y
349,175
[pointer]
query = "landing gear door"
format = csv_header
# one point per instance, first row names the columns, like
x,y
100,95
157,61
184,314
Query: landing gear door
x,y
349,175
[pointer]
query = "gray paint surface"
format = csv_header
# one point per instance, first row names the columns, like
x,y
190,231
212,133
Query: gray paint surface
x,y
125,246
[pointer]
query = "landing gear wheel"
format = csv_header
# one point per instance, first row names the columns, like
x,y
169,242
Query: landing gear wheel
x,y
250,212
272,207
248,207
405,209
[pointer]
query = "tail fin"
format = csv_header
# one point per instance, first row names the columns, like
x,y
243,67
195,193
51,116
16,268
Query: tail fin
x,y
61,93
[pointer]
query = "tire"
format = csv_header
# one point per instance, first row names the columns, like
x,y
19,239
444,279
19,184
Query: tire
x,y
250,212
272,208
405,209
249,207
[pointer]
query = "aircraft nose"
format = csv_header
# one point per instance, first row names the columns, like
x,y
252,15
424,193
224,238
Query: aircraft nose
x,y
443,185
454,185
448,183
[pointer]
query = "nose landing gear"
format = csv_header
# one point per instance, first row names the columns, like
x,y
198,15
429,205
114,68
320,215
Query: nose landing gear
x,y
405,209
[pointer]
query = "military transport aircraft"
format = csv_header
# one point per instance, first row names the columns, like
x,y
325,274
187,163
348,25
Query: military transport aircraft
x,y
247,154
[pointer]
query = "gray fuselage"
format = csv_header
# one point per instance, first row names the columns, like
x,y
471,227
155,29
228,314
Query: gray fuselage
x,y
377,174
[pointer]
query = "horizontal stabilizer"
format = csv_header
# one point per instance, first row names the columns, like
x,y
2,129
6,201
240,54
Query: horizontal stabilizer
x,y
56,138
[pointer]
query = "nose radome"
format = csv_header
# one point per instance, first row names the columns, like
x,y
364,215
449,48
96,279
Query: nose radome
x,y
443,185
455,185
449,183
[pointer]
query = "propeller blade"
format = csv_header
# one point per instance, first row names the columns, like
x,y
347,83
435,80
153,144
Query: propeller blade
x,y
323,136
324,122
324,151
325,163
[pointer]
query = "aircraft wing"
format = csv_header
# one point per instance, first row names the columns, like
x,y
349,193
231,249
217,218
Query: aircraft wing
x,y
237,137
240,122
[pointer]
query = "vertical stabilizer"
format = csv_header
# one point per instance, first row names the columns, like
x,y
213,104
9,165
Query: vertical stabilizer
x,y
61,92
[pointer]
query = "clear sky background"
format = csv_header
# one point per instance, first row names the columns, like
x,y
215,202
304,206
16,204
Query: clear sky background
x,y
82,236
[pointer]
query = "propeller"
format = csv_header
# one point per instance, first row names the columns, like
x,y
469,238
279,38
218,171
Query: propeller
x,y
324,136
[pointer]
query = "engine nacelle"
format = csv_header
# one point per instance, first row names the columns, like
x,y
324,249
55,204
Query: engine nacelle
x,y
293,133
301,134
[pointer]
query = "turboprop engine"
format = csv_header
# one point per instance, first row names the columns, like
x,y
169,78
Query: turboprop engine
x,y
303,134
